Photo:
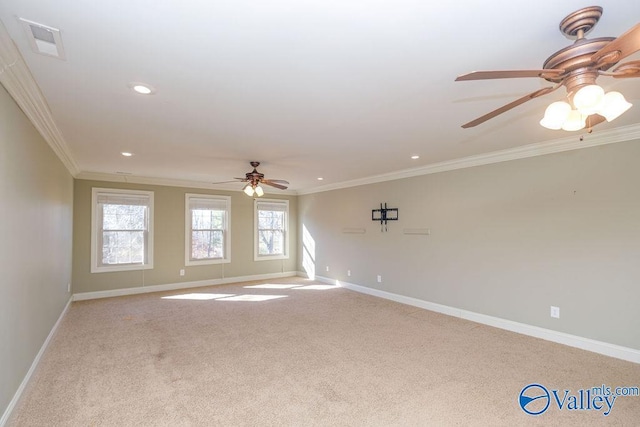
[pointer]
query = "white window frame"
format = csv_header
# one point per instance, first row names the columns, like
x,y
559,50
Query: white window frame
x,y
226,231
96,230
256,231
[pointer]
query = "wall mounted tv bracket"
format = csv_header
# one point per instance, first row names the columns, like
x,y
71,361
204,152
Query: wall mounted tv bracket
x,y
383,215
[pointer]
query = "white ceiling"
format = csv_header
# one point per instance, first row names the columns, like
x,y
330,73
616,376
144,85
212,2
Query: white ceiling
x,y
339,89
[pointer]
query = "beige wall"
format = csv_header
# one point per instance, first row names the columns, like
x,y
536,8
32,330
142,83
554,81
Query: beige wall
x,y
35,250
169,246
507,240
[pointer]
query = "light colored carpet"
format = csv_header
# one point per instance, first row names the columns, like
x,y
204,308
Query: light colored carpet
x,y
311,355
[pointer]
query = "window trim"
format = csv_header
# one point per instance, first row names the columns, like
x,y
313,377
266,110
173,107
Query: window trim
x,y
256,234
96,251
226,233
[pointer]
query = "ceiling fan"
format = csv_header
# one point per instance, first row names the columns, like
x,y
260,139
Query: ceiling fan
x,y
255,178
576,67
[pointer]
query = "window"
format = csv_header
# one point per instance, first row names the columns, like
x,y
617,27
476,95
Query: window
x,y
271,226
207,229
121,230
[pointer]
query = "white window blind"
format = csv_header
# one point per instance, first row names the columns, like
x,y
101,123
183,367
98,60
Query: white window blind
x,y
208,203
273,206
123,199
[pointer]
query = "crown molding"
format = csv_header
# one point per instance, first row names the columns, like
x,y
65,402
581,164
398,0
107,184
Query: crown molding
x,y
611,136
169,182
18,81
620,134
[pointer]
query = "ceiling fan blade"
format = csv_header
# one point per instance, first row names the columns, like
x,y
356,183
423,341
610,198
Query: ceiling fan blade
x,y
223,182
628,69
508,74
510,105
278,181
620,48
273,184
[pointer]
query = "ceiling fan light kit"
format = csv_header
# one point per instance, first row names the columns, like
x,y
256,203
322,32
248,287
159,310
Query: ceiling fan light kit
x,y
254,179
576,67
251,189
588,100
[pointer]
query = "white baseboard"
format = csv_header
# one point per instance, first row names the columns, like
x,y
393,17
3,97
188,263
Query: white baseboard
x,y
34,365
607,349
175,286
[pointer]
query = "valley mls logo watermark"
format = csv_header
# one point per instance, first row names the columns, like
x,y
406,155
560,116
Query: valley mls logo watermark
x,y
535,399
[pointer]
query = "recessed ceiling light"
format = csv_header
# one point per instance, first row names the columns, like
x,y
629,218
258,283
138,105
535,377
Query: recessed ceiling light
x,y
142,88
320,178
415,157
126,154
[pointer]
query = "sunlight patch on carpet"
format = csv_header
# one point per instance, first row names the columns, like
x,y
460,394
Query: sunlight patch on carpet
x,y
198,296
252,298
271,286
317,287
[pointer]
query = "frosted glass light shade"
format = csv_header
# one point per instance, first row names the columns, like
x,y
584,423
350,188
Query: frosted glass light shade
x,y
248,190
587,100
555,115
613,105
575,121
259,191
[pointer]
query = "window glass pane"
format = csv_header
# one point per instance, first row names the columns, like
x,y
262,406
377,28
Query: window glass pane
x,y
202,219
207,244
122,247
123,217
217,219
270,242
270,220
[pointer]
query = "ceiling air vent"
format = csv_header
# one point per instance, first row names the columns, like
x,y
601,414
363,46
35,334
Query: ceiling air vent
x,y
43,39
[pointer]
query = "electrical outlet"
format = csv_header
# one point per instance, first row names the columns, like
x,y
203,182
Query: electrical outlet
x,y
327,268
182,271
349,273
69,287
555,312
379,278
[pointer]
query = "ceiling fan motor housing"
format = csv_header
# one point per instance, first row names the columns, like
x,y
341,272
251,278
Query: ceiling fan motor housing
x,y
576,59
254,177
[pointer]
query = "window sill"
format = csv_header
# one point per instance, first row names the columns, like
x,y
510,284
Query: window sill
x,y
191,263
269,257
117,268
